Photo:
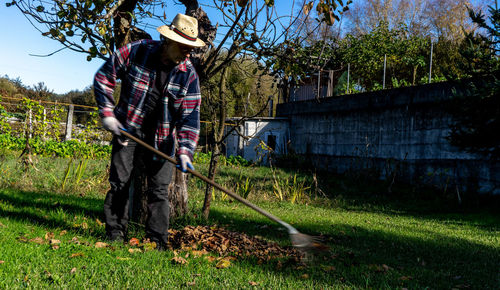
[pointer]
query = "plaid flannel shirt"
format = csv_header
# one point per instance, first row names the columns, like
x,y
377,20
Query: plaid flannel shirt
x,y
134,64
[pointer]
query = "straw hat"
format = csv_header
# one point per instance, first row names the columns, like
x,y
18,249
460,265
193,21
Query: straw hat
x,y
184,29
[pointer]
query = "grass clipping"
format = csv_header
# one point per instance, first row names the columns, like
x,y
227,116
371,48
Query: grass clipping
x,y
225,243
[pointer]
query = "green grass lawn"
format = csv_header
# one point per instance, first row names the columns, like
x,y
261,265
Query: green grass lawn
x,y
376,240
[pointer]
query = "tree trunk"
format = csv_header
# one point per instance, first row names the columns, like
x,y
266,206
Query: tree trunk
x,y
212,170
177,194
216,140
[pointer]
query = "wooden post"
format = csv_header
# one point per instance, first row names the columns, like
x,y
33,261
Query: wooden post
x,y
69,122
29,126
44,122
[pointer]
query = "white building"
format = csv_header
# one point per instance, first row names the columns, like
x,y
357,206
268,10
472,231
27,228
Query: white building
x,y
255,138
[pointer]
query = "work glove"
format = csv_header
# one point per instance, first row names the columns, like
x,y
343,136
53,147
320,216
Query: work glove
x,y
113,125
185,163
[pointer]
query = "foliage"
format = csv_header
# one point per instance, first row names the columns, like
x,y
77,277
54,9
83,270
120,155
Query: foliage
x,y
476,111
237,161
41,122
244,185
91,132
5,127
443,19
74,172
71,148
290,188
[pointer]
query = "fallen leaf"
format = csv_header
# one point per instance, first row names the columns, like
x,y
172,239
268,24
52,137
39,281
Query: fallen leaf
x,y
328,268
123,259
100,245
76,255
179,260
222,264
252,283
191,283
73,271
1,261
304,276
54,242
99,223
198,254
49,236
55,247
134,242
148,246
84,226
134,250
405,278
210,258
37,240
63,232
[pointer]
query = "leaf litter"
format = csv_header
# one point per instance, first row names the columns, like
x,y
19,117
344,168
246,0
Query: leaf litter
x,y
203,239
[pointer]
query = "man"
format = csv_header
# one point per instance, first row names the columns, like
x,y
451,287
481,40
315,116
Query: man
x,y
159,102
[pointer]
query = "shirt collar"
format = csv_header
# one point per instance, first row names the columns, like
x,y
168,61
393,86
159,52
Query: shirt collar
x,y
183,65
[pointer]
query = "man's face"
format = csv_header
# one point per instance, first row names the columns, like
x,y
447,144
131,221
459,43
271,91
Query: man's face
x,y
175,52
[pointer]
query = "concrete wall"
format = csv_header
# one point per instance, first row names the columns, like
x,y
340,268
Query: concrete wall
x,y
401,130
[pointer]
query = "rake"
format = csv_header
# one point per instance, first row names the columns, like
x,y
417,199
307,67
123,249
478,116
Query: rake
x,y
299,240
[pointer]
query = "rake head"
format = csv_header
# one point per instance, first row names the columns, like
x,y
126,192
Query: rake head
x,y
307,243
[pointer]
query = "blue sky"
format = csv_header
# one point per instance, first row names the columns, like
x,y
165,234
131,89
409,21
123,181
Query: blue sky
x,y
66,70
62,72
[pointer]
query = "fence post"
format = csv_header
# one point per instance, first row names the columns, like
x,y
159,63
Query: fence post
x,y
69,122
329,91
30,124
385,64
430,63
44,122
348,72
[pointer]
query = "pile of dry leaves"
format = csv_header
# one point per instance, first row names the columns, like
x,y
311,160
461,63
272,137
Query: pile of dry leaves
x,y
225,243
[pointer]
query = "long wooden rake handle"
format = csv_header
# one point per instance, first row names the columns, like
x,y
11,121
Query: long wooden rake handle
x,y
290,229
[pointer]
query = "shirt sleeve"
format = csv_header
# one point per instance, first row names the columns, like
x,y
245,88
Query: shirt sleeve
x,y
105,80
188,128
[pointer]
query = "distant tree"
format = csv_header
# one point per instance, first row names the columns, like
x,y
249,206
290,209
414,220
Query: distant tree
x,y
440,19
477,110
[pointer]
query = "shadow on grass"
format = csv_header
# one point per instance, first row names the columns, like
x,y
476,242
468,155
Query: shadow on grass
x,y
369,195
385,259
35,207
358,255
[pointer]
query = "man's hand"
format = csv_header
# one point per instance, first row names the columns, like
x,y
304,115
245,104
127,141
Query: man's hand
x,y
112,124
185,163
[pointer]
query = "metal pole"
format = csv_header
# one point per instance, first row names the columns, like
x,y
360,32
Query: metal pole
x,y
348,72
430,63
319,83
385,64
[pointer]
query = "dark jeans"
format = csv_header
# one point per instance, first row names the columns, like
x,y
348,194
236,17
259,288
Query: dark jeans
x,y
116,205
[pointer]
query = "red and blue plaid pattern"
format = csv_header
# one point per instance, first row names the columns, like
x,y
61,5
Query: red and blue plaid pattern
x,y
134,64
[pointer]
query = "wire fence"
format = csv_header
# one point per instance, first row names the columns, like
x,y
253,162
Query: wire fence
x,y
328,83
75,118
